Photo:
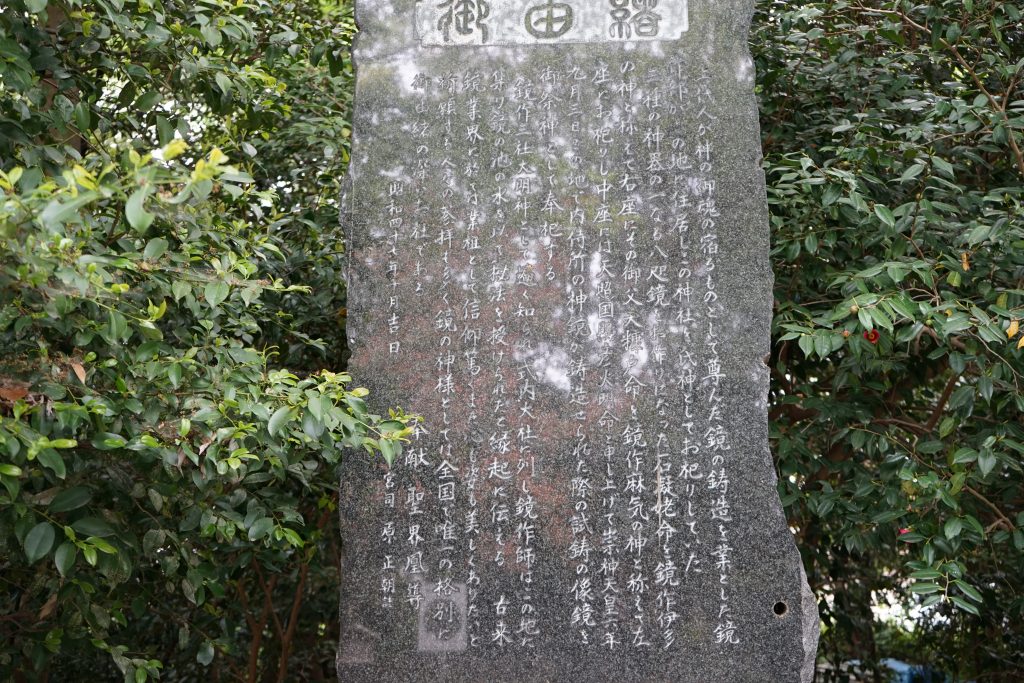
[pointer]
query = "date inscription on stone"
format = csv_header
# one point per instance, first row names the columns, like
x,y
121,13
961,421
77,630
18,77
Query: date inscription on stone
x,y
531,22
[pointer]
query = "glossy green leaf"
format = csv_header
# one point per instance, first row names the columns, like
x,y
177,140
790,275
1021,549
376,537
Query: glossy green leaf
x,y
155,248
279,419
53,461
64,558
216,292
969,590
138,217
260,528
885,215
70,499
39,541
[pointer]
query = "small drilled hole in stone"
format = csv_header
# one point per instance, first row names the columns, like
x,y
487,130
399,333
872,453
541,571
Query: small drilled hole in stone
x,y
780,609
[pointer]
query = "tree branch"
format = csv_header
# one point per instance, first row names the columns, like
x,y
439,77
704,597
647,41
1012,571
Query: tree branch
x,y
293,618
1000,109
1003,519
268,596
940,407
257,627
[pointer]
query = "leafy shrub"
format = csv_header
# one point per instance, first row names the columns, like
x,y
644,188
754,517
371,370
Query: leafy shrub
x,y
168,487
893,134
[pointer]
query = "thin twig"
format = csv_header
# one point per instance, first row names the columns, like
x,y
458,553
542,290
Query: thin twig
x,y
941,405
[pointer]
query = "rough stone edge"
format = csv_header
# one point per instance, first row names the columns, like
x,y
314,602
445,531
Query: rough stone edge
x,y
810,618
811,628
345,218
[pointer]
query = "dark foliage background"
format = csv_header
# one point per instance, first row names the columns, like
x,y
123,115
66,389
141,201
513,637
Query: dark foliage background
x,y
893,138
172,402
172,309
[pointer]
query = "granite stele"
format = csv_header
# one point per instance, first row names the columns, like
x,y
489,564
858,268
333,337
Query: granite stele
x,y
559,258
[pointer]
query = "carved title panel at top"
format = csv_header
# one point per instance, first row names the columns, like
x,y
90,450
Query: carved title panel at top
x,y
537,22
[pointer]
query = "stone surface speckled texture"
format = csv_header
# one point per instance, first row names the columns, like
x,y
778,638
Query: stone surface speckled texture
x,y
559,257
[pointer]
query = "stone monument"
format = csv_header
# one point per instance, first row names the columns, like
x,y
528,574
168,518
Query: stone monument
x,y
559,258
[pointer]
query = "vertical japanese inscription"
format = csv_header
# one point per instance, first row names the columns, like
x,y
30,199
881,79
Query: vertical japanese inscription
x,y
559,259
